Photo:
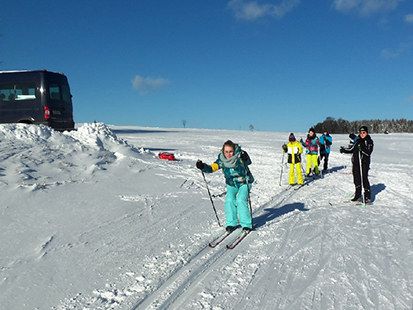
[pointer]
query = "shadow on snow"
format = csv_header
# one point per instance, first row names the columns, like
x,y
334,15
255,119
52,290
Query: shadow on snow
x,y
375,189
336,169
272,213
135,131
158,149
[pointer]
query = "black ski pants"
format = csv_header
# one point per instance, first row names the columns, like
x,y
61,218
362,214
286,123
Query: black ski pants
x,y
325,156
358,175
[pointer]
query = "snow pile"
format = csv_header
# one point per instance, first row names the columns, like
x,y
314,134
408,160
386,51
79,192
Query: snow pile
x,y
102,137
29,134
48,156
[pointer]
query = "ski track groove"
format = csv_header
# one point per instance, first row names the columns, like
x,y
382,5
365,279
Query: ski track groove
x,y
278,248
196,268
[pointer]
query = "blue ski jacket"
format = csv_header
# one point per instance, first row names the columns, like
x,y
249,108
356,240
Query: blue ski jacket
x,y
325,142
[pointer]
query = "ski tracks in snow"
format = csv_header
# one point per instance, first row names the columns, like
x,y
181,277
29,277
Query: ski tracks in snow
x,y
333,257
178,289
318,262
329,258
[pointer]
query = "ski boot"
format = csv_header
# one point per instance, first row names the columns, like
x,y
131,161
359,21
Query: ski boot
x,y
230,229
357,194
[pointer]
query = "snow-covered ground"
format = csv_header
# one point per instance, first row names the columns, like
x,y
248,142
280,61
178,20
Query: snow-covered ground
x,y
93,219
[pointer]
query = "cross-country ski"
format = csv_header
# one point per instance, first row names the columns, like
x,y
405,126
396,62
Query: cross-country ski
x,y
238,239
219,240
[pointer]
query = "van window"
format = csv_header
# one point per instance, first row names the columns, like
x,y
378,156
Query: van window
x,y
66,94
17,91
54,91
59,92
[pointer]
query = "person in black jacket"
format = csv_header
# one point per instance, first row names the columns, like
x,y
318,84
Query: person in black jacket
x,y
361,149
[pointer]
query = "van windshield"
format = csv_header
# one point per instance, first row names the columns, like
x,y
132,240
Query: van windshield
x,y
17,91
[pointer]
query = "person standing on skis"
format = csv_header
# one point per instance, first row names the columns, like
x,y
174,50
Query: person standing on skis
x,y
361,149
325,141
234,163
294,150
311,144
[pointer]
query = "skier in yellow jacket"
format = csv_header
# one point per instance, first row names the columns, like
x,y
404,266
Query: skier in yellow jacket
x,y
294,150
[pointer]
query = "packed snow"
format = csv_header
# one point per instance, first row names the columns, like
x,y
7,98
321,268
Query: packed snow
x,y
93,219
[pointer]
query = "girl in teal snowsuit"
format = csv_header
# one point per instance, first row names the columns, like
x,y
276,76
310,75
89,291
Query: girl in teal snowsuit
x,y
234,163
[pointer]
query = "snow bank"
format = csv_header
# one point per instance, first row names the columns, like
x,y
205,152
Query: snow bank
x,y
55,157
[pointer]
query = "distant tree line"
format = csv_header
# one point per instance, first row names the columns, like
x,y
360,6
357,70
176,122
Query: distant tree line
x,y
341,126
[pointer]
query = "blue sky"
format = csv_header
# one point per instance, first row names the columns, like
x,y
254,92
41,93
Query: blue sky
x,y
280,65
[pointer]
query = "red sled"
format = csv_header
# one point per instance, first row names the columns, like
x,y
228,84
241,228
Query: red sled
x,y
167,156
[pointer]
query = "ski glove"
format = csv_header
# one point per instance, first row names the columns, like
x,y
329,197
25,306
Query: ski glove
x,y
285,148
362,147
200,165
244,156
341,149
352,136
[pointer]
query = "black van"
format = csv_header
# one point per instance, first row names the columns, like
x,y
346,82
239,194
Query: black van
x,y
36,97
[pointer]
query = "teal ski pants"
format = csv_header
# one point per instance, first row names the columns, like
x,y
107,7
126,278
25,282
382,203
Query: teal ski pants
x,y
236,205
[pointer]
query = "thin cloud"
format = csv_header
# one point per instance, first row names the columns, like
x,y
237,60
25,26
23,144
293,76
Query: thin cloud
x,y
409,18
252,10
402,49
148,84
366,7
389,54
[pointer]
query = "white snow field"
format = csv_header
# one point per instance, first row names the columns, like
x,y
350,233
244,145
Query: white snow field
x,y
93,219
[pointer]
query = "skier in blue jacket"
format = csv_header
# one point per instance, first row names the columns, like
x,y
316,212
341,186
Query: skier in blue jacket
x,y
325,141
234,163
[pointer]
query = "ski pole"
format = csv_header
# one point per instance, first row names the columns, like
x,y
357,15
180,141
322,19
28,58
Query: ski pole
x,y
363,199
302,169
247,170
319,162
282,168
210,198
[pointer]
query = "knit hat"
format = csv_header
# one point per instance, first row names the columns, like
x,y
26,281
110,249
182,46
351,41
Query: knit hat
x,y
291,138
311,129
364,128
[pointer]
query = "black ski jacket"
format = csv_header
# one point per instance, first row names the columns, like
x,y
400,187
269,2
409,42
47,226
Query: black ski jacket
x,y
363,147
